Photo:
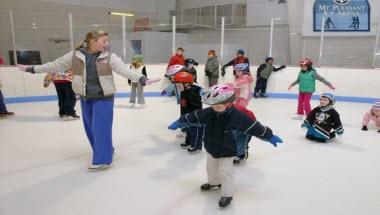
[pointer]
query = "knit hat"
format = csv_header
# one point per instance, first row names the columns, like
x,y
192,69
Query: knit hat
x,y
138,58
376,105
268,59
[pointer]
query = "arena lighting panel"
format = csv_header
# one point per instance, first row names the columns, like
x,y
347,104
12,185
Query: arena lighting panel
x,y
120,14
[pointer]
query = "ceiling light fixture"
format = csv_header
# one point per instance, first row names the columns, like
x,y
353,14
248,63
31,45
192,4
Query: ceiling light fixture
x,y
121,14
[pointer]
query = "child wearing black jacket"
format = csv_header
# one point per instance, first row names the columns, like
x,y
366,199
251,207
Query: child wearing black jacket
x,y
190,101
323,122
222,122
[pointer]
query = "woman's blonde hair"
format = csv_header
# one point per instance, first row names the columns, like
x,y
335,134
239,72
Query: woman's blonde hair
x,y
92,35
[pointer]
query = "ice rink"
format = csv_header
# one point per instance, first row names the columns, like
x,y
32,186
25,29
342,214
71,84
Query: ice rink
x,y
43,166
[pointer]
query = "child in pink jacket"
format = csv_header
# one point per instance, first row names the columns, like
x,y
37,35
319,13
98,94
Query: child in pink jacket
x,y
243,84
374,115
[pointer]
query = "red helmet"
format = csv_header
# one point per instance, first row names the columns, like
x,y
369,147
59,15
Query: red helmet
x,y
183,77
306,62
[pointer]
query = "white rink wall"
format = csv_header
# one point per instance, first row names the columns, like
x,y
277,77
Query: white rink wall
x,y
348,82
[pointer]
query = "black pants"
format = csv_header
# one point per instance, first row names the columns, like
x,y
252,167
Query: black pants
x,y
194,137
66,98
261,85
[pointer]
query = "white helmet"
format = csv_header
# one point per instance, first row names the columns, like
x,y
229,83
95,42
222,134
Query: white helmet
x,y
219,94
172,70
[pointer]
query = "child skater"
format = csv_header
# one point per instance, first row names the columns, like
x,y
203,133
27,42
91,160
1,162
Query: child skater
x,y
323,122
190,63
243,140
190,101
263,73
66,96
222,122
138,67
374,115
4,113
243,84
306,80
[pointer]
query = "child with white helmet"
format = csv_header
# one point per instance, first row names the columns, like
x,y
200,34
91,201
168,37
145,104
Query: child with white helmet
x,y
222,122
243,84
372,115
323,122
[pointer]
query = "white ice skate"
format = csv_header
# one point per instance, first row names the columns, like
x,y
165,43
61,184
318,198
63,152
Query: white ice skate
x,y
69,118
132,105
141,106
94,167
297,116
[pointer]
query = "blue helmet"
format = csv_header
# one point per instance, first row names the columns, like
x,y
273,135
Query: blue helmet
x,y
240,51
241,67
330,96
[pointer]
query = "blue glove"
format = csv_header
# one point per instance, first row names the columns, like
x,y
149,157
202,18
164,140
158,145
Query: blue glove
x,y
174,126
306,125
275,139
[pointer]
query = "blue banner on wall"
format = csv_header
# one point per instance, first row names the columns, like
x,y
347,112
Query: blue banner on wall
x,y
342,15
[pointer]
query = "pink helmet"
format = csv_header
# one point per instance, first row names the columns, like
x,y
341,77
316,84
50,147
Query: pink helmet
x,y
219,94
172,70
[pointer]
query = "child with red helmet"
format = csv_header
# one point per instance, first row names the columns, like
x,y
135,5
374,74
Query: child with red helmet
x,y
306,80
221,123
190,100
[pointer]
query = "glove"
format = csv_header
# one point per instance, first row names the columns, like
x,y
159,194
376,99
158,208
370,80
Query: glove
x,y
364,128
151,81
174,126
305,125
163,92
332,87
275,139
378,131
223,73
26,68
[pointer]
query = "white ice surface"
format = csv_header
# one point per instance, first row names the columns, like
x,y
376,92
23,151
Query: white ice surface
x,y
43,166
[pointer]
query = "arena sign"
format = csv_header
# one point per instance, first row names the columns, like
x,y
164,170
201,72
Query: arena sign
x,y
342,15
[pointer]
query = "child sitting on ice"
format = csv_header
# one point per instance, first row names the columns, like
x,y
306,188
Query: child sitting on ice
x,y
323,122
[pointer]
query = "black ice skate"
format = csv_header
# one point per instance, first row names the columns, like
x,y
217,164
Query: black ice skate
x,y
185,145
194,149
208,187
224,201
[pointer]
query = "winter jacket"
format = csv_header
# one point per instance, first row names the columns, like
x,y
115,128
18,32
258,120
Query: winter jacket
x,y
212,67
324,120
140,70
60,77
193,72
105,63
368,116
247,112
222,129
236,61
306,80
243,86
265,70
191,100
176,59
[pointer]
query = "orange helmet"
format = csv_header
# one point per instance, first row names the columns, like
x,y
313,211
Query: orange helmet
x,y
183,77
